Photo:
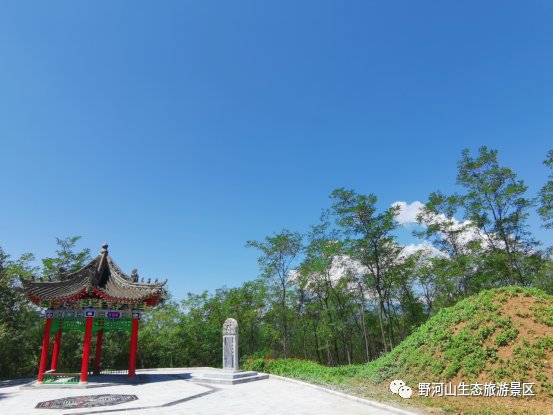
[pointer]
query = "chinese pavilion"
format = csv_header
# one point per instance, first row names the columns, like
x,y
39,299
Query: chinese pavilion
x,y
97,298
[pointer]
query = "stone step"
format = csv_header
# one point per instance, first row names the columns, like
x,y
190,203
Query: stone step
x,y
229,375
233,378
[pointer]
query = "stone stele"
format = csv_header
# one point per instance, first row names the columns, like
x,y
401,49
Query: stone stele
x,y
230,374
230,344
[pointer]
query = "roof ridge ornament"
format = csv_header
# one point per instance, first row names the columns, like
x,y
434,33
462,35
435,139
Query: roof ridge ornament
x,y
61,273
97,277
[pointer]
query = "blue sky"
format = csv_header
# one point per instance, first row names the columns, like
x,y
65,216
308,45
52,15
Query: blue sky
x,y
177,131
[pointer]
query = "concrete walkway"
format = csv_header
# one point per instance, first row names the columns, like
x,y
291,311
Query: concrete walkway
x,y
167,391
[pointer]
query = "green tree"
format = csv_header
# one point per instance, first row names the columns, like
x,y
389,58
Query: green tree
x,y
546,195
162,344
494,200
19,324
455,271
372,242
67,257
278,253
247,304
319,284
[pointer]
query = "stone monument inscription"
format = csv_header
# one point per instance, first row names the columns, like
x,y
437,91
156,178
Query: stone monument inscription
x,y
228,350
230,344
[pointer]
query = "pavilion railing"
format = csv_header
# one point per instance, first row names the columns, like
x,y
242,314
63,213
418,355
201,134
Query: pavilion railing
x,y
67,377
114,372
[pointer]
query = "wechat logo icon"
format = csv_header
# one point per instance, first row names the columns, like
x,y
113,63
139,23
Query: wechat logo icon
x,y
399,387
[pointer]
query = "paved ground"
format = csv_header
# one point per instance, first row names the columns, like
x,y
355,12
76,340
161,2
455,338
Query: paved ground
x,y
168,392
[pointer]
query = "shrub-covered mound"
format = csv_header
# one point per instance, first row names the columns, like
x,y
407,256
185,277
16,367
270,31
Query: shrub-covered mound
x,y
499,335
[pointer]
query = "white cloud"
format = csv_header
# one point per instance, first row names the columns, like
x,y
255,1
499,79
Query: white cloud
x,y
427,249
408,211
342,267
465,230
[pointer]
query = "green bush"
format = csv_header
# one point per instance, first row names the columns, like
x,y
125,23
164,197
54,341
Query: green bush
x,y
506,337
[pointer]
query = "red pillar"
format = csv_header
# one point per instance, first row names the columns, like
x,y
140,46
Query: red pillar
x,y
56,351
98,356
86,349
134,344
45,346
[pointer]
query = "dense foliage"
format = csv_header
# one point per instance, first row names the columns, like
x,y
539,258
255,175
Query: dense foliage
x,y
346,292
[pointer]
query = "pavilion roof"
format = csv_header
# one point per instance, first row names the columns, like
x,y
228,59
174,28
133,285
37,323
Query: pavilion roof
x,y
101,278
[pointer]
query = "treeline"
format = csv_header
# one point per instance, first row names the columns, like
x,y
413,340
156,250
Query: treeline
x,y
348,291
345,292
